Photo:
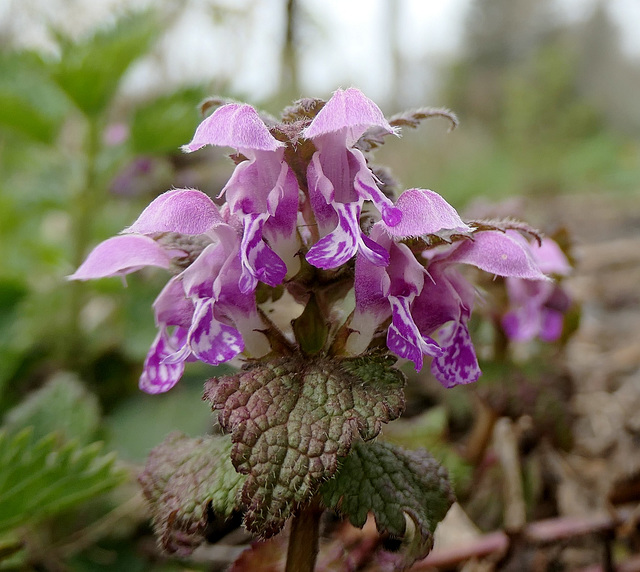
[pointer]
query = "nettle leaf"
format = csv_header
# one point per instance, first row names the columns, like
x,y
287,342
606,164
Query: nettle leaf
x,y
419,244
29,102
165,123
293,418
62,405
90,71
408,493
506,224
449,236
375,137
40,478
189,482
413,117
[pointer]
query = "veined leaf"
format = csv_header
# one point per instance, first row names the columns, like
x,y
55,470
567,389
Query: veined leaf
x,y
40,478
184,479
408,493
292,419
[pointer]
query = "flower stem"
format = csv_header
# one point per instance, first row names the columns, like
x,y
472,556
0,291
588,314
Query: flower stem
x,y
303,540
85,204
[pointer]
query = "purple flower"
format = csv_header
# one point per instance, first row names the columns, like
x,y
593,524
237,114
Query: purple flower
x,y
339,180
436,300
536,308
202,312
262,193
392,291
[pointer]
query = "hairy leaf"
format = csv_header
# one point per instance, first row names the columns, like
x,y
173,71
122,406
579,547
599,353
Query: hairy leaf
x,y
63,405
375,136
413,117
293,418
39,479
408,493
506,224
446,236
187,482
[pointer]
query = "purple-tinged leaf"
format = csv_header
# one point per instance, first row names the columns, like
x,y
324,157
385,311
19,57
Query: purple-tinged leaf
x,y
122,255
185,211
186,482
293,418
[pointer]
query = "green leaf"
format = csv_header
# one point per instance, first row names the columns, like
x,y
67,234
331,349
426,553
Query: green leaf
x,y
63,405
40,479
292,419
166,123
29,103
429,430
184,479
90,71
311,328
407,492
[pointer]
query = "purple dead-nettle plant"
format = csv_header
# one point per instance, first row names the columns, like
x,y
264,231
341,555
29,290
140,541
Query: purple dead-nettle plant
x,y
302,415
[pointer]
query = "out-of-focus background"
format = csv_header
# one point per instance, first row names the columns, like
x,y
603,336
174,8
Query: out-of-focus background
x,y
96,98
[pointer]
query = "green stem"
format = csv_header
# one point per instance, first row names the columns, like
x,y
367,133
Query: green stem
x,y
83,212
303,540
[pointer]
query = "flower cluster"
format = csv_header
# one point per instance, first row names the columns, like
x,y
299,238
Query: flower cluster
x,y
304,209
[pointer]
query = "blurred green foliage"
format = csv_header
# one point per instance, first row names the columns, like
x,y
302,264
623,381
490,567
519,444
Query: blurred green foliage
x,y
65,136
79,162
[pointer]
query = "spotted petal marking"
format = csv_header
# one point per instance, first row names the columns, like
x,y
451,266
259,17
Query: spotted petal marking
x,y
404,338
458,365
259,262
365,185
346,239
209,340
159,376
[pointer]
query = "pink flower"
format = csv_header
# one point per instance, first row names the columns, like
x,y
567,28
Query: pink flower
x,y
202,312
339,180
262,193
537,308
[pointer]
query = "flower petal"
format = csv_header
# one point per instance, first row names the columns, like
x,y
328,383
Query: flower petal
x,y
172,307
158,376
497,252
424,212
345,240
550,257
458,364
122,255
259,262
404,339
348,110
366,187
234,125
211,341
185,211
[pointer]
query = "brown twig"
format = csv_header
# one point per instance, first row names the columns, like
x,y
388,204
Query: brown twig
x,y
538,533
